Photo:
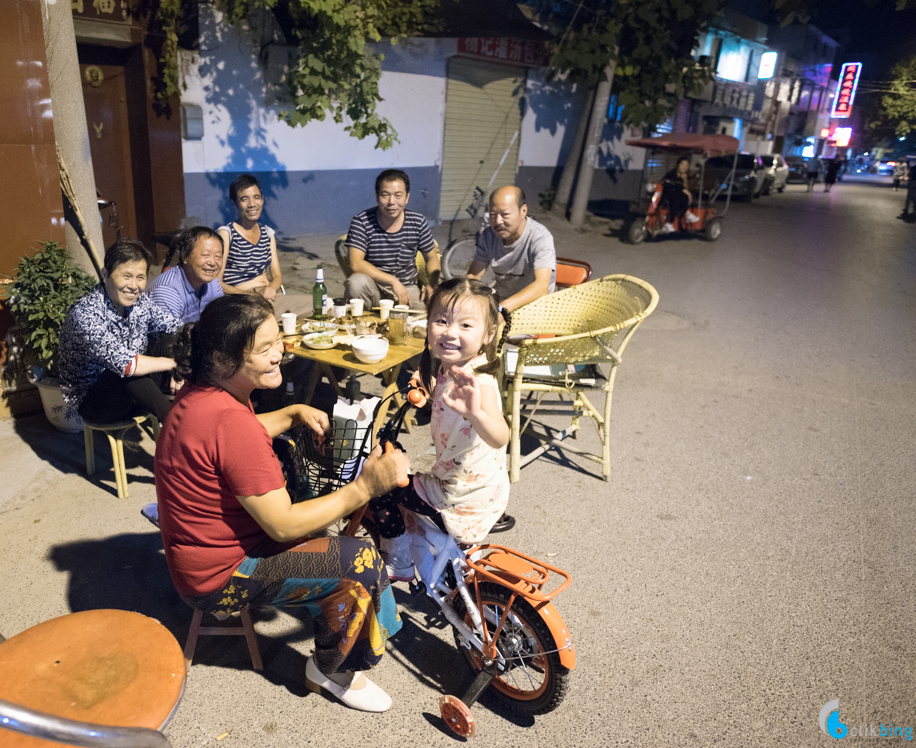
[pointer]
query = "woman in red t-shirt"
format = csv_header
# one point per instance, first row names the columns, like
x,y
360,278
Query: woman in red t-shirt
x,y
233,539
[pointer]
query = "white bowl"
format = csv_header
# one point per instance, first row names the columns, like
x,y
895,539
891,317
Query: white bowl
x,y
309,341
370,349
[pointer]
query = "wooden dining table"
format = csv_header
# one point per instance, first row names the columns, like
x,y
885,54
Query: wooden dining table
x,y
342,356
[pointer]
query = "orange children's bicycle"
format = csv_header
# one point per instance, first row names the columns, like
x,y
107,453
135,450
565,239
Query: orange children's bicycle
x,y
498,601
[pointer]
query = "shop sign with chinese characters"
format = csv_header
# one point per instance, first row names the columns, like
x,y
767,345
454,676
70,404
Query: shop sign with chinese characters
x,y
118,11
532,54
741,101
846,89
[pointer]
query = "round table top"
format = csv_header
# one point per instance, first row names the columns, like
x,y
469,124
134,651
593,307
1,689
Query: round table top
x,y
111,667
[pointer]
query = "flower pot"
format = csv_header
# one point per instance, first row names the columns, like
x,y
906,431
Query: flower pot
x,y
52,400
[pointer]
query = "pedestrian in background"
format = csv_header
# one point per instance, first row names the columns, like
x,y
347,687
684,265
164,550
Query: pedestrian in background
x,y
814,168
910,203
899,174
833,168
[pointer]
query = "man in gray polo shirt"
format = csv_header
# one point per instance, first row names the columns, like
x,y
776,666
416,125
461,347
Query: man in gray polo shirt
x,y
519,249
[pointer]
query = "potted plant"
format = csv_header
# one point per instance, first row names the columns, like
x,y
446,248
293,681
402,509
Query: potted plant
x,y
45,287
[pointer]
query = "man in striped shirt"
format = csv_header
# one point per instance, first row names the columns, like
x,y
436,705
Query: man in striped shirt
x,y
384,242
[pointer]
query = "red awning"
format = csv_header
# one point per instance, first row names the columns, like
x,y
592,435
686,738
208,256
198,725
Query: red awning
x,y
687,142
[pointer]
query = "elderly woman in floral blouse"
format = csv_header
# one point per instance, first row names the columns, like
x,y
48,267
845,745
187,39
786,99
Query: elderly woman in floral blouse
x,y
108,366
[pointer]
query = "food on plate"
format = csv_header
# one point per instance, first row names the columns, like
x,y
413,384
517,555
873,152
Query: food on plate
x,y
365,326
312,326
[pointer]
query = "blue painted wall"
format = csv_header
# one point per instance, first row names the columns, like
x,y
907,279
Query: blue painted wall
x,y
307,202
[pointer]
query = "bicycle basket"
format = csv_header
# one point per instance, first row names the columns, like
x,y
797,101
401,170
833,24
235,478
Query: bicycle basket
x,y
325,464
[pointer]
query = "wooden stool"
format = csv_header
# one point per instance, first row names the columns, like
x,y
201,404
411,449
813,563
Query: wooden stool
x,y
105,667
115,433
246,630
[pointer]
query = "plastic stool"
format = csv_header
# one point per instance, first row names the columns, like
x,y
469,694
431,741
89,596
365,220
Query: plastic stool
x,y
246,630
104,667
115,433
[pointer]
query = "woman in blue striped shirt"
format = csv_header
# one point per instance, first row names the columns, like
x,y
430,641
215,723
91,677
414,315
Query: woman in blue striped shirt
x,y
251,264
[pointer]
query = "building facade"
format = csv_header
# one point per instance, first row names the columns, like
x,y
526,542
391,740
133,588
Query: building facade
x,y
470,111
772,87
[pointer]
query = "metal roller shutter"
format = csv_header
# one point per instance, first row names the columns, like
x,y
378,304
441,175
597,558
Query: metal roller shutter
x,y
482,130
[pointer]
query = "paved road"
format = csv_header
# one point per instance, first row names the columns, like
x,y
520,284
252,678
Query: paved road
x,y
751,559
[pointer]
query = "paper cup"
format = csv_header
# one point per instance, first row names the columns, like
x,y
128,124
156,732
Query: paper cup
x,y
385,306
340,310
357,306
289,323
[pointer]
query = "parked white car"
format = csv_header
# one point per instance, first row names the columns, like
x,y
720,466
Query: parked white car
x,y
777,173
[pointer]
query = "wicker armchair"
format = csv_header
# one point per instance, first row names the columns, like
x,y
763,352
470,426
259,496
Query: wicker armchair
x,y
590,325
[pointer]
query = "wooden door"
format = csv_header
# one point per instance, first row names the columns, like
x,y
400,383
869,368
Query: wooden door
x,y
105,97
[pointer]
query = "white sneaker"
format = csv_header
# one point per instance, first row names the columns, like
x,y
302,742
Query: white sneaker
x,y
396,554
668,228
691,218
151,512
353,689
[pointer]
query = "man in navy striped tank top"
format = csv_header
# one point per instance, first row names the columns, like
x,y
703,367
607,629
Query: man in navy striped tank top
x,y
384,242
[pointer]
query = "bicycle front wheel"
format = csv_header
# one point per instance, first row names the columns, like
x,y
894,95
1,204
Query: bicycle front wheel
x,y
532,680
458,258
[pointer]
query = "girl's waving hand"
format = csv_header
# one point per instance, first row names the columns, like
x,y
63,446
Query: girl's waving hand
x,y
463,395
479,405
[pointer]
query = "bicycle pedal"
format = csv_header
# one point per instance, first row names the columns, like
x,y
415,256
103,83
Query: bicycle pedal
x,y
417,588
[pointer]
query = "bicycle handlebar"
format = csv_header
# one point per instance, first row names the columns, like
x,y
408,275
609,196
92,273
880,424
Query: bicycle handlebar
x,y
416,397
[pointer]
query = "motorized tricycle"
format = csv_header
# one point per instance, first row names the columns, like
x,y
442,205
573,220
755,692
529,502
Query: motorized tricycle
x,y
650,212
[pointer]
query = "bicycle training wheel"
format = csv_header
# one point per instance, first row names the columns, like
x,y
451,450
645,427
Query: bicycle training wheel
x,y
458,258
532,681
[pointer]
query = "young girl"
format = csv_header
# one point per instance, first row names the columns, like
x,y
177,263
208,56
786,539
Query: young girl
x,y
468,488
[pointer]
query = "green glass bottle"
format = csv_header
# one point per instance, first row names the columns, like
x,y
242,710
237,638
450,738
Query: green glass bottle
x,y
319,295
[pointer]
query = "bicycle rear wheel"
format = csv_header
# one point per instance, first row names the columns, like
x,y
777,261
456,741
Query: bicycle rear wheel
x,y
532,681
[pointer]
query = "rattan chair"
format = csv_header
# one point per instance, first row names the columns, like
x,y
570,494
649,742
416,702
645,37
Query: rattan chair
x,y
563,340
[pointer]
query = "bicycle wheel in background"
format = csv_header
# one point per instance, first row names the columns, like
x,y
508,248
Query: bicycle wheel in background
x,y
458,258
533,681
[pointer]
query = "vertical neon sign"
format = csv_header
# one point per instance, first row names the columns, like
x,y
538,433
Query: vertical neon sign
x,y
846,89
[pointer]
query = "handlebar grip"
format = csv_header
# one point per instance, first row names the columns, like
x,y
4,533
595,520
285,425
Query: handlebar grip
x,y
405,480
417,396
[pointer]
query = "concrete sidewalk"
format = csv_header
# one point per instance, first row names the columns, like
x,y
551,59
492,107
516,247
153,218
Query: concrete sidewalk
x,y
751,559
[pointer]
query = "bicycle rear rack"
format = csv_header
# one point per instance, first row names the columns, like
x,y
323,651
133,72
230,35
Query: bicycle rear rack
x,y
525,575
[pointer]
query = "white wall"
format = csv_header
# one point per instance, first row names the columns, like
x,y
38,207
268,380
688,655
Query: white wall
x,y
241,133
551,117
